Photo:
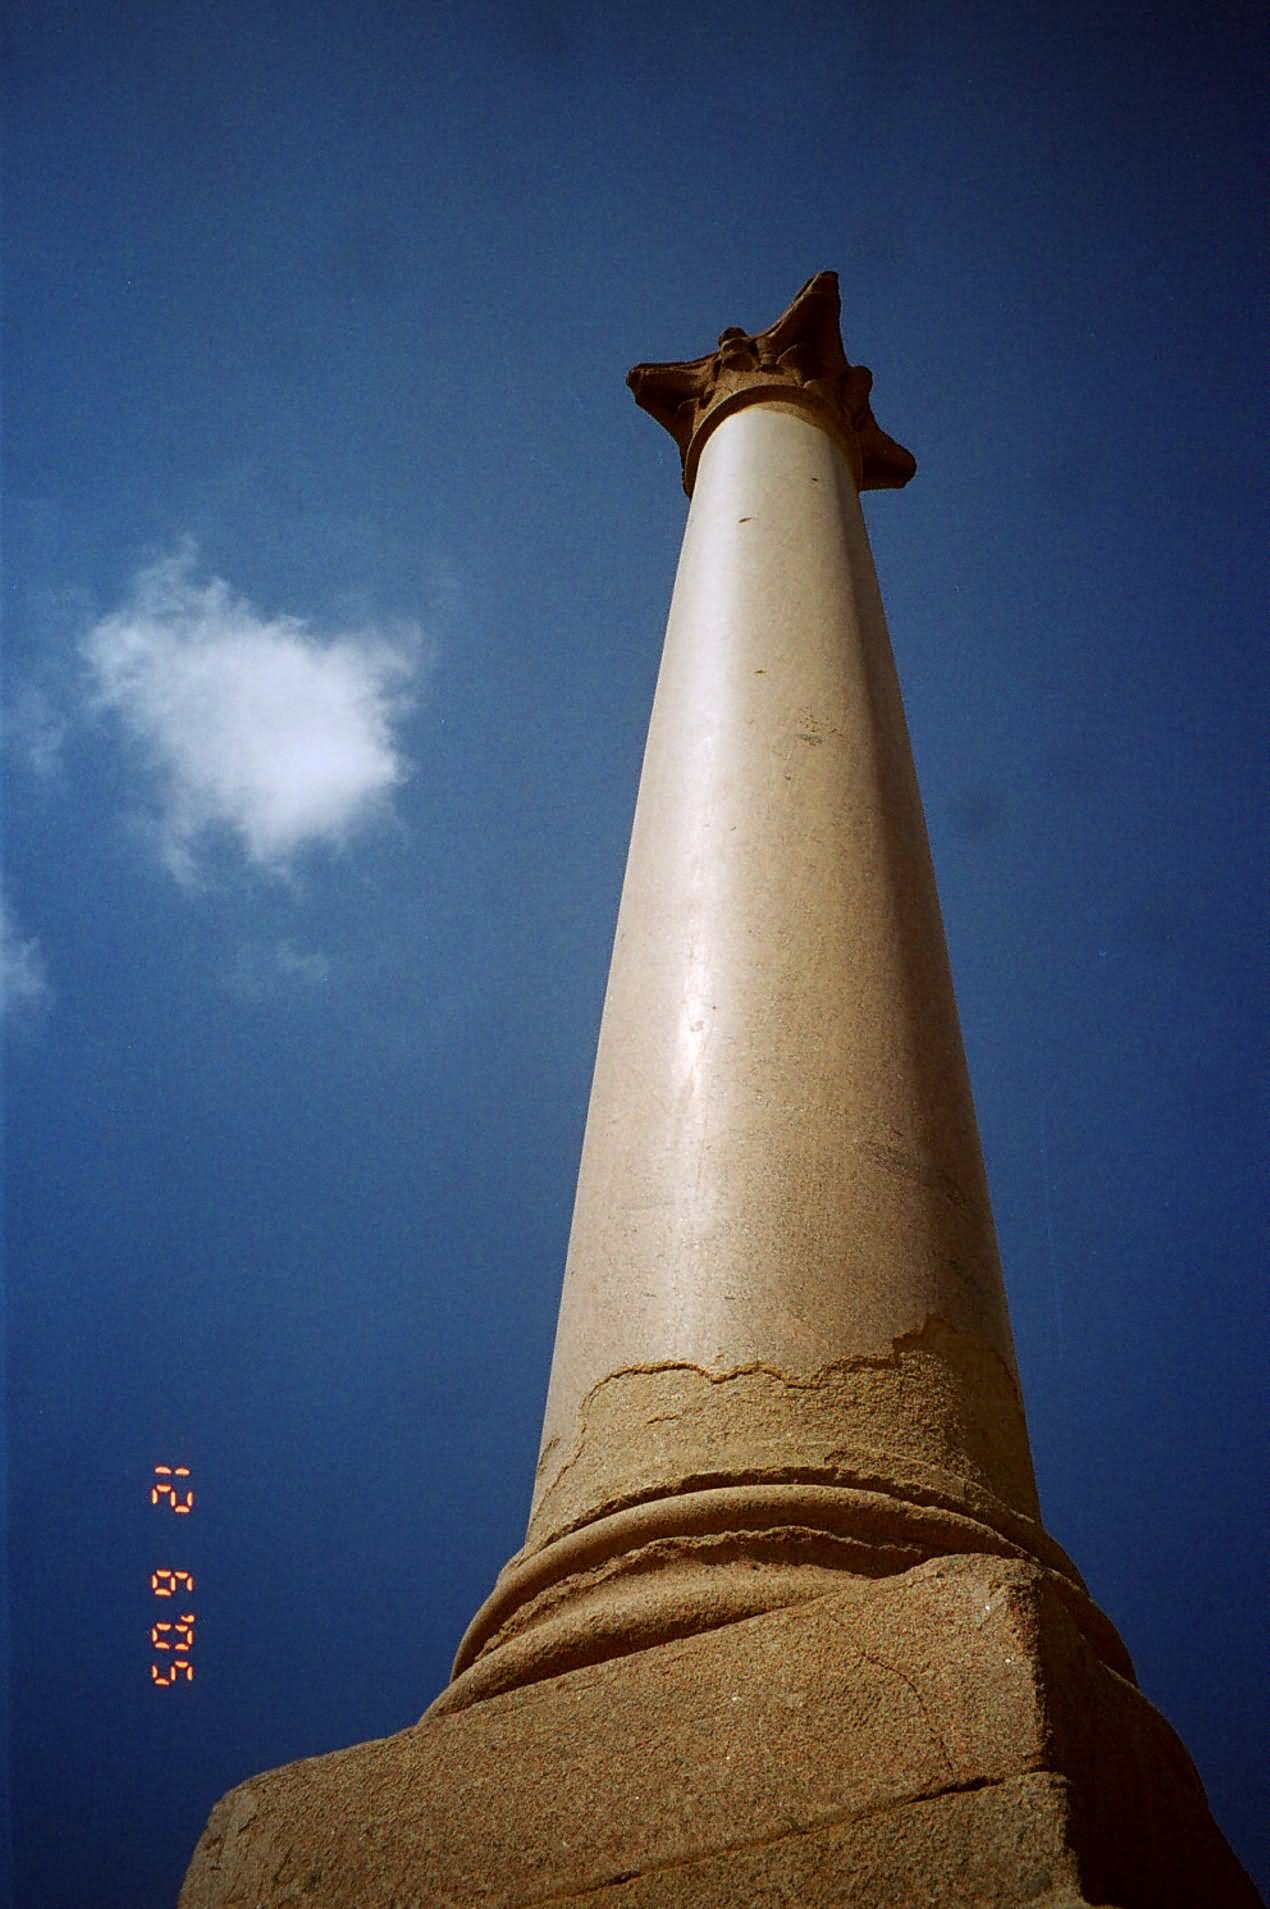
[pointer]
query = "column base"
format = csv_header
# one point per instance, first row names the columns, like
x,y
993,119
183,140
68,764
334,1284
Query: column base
x,y
675,1566
948,1735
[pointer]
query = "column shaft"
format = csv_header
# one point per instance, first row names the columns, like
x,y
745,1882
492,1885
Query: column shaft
x,y
781,1165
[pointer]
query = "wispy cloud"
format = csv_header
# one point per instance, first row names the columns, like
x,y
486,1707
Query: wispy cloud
x,y
35,730
251,726
308,965
261,970
24,982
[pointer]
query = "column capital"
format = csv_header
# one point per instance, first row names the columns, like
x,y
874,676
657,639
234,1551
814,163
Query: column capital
x,y
799,362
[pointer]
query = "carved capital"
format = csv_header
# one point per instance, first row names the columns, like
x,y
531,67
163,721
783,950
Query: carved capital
x,y
798,361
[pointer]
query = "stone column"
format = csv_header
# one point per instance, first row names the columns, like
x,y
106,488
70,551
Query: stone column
x,y
783,1349
783,1389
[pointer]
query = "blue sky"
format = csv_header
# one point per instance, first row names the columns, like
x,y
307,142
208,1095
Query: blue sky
x,y
336,562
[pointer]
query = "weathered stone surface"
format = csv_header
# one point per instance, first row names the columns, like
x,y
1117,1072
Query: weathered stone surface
x,y
946,1736
936,1394
735,1493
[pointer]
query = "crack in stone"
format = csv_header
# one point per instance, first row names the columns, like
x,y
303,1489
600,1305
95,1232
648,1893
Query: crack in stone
x,y
881,1663
846,1815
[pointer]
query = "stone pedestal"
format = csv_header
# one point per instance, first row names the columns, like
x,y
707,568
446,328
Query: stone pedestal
x,y
946,1736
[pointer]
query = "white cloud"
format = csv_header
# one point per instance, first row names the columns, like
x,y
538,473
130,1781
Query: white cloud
x,y
251,725
24,983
